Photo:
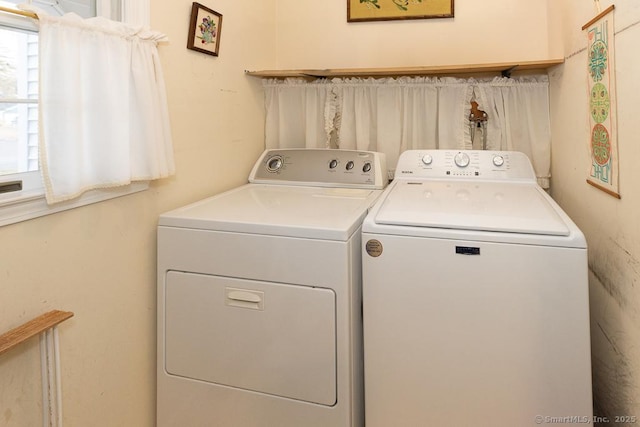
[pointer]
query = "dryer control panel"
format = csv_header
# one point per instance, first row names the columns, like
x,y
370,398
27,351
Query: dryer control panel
x,y
466,164
321,168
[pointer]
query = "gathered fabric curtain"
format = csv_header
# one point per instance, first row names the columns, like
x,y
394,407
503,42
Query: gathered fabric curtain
x,y
520,111
103,113
392,115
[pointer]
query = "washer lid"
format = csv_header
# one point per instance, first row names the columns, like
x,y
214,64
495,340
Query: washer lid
x,y
279,210
465,205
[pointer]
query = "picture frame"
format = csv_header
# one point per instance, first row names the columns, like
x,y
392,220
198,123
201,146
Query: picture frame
x,y
204,30
387,10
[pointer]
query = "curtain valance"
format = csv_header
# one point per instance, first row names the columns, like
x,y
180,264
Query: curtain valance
x,y
395,114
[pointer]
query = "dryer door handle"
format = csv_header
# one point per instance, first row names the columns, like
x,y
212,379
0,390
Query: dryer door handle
x,y
244,298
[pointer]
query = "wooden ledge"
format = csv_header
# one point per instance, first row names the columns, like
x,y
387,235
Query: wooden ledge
x,y
504,68
10,339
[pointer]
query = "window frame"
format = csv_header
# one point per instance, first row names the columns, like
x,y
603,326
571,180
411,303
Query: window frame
x,y
30,202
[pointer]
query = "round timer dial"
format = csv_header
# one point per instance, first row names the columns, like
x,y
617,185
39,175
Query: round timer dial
x,y
462,160
274,164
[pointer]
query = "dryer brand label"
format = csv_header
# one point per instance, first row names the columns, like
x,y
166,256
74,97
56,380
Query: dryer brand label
x,y
374,248
467,250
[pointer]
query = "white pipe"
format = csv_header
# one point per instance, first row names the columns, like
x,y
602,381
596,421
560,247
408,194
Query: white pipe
x,y
51,381
58,373
45,379
51,371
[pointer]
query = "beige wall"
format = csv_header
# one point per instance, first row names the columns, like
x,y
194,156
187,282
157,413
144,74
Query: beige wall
x,y
99,261
315,34
612,226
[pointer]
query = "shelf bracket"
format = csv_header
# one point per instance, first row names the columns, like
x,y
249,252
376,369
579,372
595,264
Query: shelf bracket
x,y
507,73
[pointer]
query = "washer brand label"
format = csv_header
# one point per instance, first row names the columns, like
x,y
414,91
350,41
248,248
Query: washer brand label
x,y
374,248
467,250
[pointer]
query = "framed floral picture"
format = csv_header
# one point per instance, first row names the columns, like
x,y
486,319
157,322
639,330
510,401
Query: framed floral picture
x,y
386,10
204,30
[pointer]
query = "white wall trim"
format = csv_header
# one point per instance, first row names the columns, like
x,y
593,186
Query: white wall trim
x,y
29,206
136,12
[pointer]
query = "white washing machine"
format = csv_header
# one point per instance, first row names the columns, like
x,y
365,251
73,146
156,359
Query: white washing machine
x,y
475,296
259,296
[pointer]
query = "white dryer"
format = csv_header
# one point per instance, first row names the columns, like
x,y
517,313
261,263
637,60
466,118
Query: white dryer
x,y
259,296
475,294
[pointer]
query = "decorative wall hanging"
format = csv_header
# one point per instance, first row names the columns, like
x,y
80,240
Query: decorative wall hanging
x,y
204,30
385,10
603,147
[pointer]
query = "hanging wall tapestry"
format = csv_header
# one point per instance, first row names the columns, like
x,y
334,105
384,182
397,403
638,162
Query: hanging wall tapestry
x,y
603,171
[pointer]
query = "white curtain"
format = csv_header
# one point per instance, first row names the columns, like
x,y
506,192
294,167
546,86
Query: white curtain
x,y
518,113
295,114
393,115
104,120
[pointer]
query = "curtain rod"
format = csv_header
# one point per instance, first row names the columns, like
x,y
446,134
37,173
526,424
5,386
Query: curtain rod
x,y
18,12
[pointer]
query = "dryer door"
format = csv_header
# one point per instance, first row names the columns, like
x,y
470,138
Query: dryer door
x,y
271,338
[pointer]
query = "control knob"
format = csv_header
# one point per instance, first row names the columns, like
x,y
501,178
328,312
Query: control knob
x,y
462,160
274,164
427,159
498,160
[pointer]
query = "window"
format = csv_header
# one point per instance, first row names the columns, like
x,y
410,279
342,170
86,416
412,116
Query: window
x,y
21,190
18,106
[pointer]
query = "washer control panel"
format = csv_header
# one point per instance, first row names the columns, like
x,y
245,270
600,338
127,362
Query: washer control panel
x,y
468,164
321,167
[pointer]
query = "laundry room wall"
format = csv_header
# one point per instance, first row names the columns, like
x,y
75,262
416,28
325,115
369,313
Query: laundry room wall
x,y
612,226
316,34
99,261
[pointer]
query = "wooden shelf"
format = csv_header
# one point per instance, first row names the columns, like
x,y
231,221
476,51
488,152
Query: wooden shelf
x,y
10,339
504,68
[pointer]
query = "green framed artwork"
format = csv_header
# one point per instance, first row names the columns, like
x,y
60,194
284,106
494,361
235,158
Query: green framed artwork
x,y
386,10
